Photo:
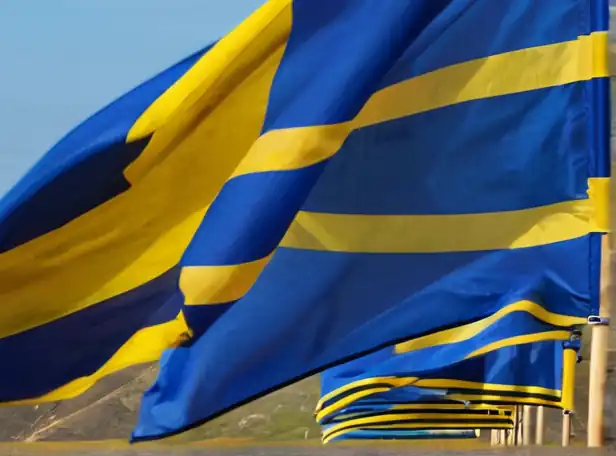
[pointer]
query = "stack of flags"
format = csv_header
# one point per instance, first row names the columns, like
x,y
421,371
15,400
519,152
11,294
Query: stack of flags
x,y
480,392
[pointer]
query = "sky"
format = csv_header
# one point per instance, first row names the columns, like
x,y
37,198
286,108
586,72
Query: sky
x,y
62,60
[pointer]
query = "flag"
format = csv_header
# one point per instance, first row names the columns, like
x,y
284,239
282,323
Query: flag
x,y
383,404
533,373
423,420
403,434
89,248
421,175
538,373
391,371
407,412
528,374
292,201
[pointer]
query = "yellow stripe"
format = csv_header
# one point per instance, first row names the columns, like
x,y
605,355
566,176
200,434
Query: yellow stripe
x,y
348,400
432,383
145,346
423,405
441,406
330,437
599,192
520,340
84,262
446,233
296,148
382,419
502,398
394,382
461,334
218,284
446,412
497,75
210,75
487,387
364,382
338,405
512,72
568,385
143,232
293,148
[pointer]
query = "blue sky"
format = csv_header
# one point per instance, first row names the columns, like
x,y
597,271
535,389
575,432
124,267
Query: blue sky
x,y
61,60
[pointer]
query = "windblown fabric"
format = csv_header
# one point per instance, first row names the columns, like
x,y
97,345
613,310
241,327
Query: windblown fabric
x,y
303,194
89,250
426,185
538,373
405,434
394,372
411,416
399,422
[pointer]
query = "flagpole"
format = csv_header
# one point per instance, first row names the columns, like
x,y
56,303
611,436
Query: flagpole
x,y
599,351
526,423
540,419
519,436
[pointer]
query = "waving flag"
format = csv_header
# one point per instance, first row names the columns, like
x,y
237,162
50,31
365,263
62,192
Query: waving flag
x,y
539,373
404,434
531,374
410,414
303,194
89,252
413,184
420,420
406,363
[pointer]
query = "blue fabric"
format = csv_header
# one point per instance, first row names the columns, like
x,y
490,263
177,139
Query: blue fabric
x,y
402,434
309,310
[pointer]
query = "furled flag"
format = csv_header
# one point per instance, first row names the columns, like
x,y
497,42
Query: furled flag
x,y
303,194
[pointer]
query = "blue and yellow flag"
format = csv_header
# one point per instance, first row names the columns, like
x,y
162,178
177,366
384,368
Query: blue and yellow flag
x,y
302,194
478,392
539,373
90,241
401,422
402,365
404,434
406,412
424,174
403,403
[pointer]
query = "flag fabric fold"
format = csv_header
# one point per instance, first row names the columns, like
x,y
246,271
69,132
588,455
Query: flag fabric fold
x,y
424,420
